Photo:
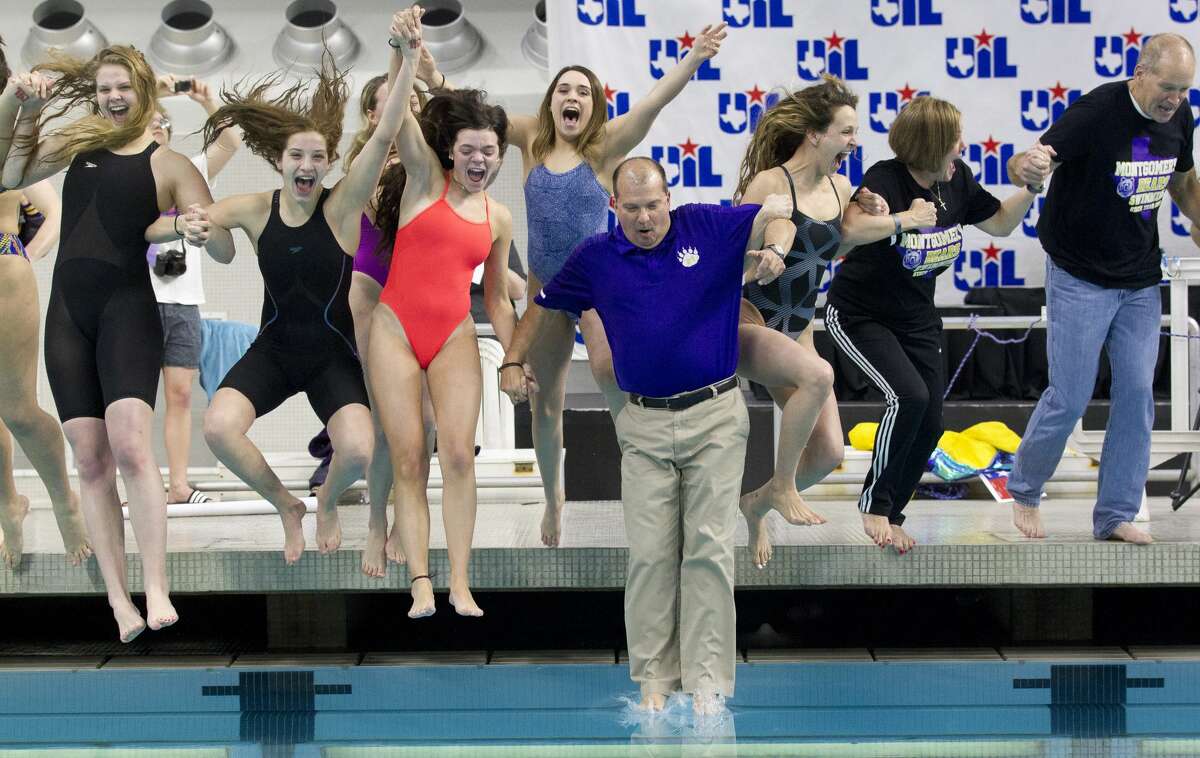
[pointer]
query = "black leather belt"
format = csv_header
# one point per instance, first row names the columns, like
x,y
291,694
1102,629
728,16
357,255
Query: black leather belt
x,y
684,399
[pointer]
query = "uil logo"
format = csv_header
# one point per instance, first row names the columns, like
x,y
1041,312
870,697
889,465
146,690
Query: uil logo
x,y
1055,11
1042,107
1115,55
982,56
756,13
852,167
689,256
989,267
833,55
1194,104
905,13
616,102
1183,11
989,159
674,49
740,111
1030,222
1180,226
687,164
885,106
609,13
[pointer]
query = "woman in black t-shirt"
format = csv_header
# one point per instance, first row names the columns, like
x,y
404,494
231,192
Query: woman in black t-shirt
x,y
880,306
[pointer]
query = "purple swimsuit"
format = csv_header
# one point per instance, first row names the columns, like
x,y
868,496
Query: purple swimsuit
x,y
366,261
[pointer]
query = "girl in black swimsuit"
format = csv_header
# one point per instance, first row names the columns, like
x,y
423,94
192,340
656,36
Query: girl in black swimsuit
x,y
103,335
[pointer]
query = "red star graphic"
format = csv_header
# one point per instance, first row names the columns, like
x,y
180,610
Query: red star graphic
x,y
1132,37
1058,91
685,42
991,145
983,39
609,92
756,94
991,252
907,93
689,147
834,41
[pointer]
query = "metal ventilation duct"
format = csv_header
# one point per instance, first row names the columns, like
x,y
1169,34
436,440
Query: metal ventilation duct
x,y
189,41
61,24
536,42
311,27
454,42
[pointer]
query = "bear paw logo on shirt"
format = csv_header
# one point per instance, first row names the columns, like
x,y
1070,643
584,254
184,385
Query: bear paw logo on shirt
x,y
689,256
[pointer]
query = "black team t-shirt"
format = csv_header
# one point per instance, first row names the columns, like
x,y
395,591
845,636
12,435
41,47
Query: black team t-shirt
x,y
893,280
1100,219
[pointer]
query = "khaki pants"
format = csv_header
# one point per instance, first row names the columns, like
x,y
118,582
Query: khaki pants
x,y
681,476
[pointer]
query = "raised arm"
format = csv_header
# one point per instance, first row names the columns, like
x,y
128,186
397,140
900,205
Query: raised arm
x,y
356,189
1012,209
420,163
623,133
220,152
495,279
27,166
46,200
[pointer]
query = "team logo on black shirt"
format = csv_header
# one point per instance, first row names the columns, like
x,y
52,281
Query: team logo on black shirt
x,y
1143,180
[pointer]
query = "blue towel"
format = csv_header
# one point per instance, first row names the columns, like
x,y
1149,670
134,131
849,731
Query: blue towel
x,y
222,344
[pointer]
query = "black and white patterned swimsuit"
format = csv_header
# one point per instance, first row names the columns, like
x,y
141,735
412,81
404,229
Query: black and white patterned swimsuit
x,y
787,304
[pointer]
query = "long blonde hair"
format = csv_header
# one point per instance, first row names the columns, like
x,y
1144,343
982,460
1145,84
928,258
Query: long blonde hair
x,y
366,106
784,126
75,86
588,144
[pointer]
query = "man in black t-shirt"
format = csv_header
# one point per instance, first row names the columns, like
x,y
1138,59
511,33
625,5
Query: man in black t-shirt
x,y
1118,151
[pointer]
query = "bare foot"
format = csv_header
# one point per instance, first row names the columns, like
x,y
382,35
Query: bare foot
x,y
422,595
653,702
463,603
878,529
129,621
374,557
1028,521
72,529
329,528
159,612
758,542
1127,532
901,540
293,531
552,522
395,548
785,499
12,516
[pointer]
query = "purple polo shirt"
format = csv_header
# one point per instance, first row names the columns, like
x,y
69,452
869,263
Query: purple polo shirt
x,y
670,312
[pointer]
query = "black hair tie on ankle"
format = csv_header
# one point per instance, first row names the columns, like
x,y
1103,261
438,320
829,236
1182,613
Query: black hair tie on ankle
x,y
422,576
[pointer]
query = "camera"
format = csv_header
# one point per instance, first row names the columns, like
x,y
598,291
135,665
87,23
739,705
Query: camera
x,y
170,263
183,85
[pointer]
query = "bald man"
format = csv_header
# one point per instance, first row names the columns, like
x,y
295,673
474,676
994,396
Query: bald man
x,y
667,286
1116,153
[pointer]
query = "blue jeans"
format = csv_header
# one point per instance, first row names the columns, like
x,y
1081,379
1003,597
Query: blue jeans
x,y
1083,318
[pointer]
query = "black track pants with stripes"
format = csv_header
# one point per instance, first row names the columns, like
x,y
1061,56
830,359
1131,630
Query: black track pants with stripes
x,y
906,366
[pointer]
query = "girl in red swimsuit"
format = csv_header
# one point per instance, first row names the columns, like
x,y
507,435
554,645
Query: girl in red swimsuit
x,y
422,330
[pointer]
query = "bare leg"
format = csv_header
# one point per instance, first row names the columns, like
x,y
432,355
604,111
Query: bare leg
x,y
177,429
37,432
395,378
550,358
1127,532
13,506
455,388
353,439
364,296
102,512
128,423
228,419
653,702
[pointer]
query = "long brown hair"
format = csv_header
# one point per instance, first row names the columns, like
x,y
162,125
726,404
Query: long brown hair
x,y
76,86
588,144
446,114
267,123
784,126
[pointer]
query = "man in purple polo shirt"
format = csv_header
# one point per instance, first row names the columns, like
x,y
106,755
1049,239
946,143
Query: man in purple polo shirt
x,y
667,286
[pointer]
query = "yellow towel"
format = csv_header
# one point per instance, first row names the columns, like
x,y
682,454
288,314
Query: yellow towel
x,y
996,434
862,436
967,451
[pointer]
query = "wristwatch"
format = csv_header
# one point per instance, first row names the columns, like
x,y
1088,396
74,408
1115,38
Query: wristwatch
x,y
776,248
1036,190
